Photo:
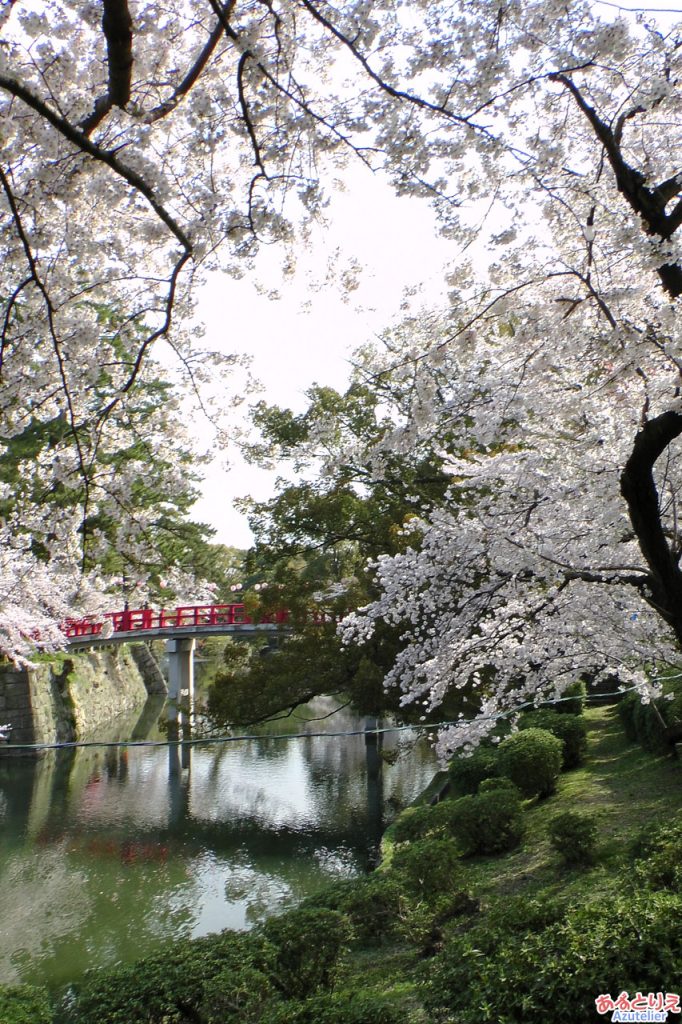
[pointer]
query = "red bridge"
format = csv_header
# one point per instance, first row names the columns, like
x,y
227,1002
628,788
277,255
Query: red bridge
x,y
187,620
179,627
140,620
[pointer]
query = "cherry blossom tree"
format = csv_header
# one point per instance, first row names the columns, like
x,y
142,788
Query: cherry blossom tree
x,y
531,573
145,143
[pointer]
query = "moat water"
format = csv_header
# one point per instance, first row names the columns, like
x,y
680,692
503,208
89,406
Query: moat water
x,y
106,853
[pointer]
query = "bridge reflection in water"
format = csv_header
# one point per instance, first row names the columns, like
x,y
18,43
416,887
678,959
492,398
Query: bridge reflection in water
x,y
107,853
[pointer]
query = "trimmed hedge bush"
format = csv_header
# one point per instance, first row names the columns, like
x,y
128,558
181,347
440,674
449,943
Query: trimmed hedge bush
x,y
570,729
488,822
468,772
360,1007
501,783
628,942
307,947
532,760
647,723
573,836
425,925
417,823
168,987
373,905
429,866
659,858
577,692
24,1004
626,713
237,995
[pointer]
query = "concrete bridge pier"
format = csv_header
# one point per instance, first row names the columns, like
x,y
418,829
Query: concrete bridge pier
x,y
180,668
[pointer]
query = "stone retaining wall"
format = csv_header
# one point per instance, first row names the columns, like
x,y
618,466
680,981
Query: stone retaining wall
x,y
68,697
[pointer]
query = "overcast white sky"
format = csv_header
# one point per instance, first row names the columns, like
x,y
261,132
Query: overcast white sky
x,y
306,336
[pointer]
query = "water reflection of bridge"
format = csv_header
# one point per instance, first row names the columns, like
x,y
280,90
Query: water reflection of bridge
x,y
195,794
115,849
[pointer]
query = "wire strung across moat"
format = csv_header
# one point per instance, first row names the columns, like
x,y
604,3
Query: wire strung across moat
x,y
207,740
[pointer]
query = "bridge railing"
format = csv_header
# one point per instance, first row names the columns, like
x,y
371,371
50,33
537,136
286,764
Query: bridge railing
x,y
141,619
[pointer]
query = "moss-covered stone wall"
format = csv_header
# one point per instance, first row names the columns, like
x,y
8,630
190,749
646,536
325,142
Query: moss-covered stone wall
x,y
69,696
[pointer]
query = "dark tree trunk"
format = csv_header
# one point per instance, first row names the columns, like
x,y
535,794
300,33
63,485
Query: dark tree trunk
x,y
639,490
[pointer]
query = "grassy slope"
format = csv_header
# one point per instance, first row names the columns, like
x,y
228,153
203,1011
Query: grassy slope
x,y
625,787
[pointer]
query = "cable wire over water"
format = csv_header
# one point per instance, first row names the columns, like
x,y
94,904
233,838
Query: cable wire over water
x,y
209,740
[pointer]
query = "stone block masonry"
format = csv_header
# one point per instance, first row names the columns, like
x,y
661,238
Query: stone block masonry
x,y
70,696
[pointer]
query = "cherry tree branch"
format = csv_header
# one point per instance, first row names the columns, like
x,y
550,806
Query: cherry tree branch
x,y
194,72
647,203
61,364
398,94
107,157
117,26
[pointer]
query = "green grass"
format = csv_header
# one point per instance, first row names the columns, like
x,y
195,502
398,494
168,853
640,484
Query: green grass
x,y
626,788
623,786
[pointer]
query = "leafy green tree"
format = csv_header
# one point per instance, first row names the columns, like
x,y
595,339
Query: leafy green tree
x,y
313,542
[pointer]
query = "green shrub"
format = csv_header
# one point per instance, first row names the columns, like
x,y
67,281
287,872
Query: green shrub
x,y
374,907
650,726
645,723
424,925
532,760
358,1007
24,1004
570,729
165,988
429,866
626,713
468,772
516,914
672,702
659,858
572,699
416,823
307,947
237,994
573,836
628,942
495,784
488,822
